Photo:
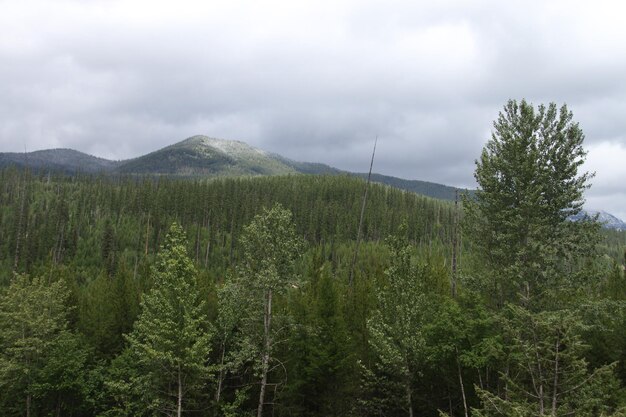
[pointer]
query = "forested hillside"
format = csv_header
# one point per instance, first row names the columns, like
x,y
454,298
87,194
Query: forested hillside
x,y
65,219
144,296
201,157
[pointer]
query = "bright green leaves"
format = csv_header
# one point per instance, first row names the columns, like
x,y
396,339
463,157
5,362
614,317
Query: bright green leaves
x,y
43,366
270,247
168,349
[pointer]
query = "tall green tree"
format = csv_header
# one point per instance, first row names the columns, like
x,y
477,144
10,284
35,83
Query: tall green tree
x,y
33,315
396,334
270,248
537,264
529,184
322,371
168,349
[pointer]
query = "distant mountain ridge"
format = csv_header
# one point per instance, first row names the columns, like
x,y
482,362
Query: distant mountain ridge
x,y
200,155
60,159
608,220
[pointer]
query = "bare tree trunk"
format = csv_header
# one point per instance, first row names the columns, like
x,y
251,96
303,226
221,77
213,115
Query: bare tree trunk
x,y
147,234
539,377
135,268
232,239
179,410
556,377
458,366
28,400
220,378
409,399
20,221
198,243
58,408
266,355
455,245
358,233
208,246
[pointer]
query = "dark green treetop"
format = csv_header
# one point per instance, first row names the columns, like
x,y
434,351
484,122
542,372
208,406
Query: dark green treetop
x,y
529,184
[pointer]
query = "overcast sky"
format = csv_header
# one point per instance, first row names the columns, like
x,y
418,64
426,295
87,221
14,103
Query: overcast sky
x,y
314,81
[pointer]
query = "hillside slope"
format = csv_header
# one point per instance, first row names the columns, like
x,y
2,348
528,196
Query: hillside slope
x,y
64,160
205,156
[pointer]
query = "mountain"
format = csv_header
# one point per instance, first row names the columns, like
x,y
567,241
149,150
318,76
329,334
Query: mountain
x,y
64,160
431,189
204,156
608,220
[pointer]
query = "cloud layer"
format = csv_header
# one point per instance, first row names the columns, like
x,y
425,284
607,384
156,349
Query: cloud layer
x,y
314,81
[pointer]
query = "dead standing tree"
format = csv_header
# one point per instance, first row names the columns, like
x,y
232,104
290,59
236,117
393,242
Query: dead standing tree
x,y
359,230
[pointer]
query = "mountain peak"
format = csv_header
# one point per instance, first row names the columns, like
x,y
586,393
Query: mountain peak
x,y
232,148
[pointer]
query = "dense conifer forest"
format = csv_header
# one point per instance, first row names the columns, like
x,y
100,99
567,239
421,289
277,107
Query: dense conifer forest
x,y
149,296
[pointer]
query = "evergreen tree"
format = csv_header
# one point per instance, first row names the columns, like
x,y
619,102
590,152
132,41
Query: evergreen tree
x,y
170,343
319,351
536,262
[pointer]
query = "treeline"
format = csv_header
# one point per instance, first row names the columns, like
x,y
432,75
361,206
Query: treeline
x,y
65,219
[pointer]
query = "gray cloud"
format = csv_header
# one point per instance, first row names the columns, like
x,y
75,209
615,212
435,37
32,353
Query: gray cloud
x,y
314,81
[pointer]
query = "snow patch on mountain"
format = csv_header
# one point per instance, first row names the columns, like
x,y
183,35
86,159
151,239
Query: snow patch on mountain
x,y
607,220
232,148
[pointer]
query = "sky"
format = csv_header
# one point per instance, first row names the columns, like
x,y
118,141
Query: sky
x,y
315,80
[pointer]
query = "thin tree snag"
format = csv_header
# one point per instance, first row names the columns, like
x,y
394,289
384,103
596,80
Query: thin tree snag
x,y
147,234
458,365
358,234
268,348
455,244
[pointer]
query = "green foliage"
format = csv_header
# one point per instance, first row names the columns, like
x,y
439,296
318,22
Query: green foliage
x,y
201,155
260,297
318,351
529,185
406,304
270,248
170,342
43,366
547,373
